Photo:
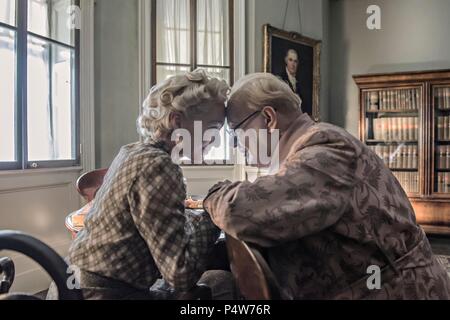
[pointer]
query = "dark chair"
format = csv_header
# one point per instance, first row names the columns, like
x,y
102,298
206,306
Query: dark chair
x,y
89,183
87,186
253,276
38,251
56,267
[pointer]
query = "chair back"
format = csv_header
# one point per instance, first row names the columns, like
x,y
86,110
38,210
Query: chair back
x,y
89,183
254,278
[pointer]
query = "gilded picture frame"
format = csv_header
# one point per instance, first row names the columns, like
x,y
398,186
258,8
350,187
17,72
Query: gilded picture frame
x,y
281,50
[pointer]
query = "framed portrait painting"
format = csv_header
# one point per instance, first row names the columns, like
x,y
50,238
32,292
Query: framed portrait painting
x,y
295,59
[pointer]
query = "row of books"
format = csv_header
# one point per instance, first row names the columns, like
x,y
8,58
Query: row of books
x,y
393,100
443,182
396,129
398,156
443,125
408,180
442,96
443,157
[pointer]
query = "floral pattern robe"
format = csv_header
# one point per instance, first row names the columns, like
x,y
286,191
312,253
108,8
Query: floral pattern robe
x,y
332,211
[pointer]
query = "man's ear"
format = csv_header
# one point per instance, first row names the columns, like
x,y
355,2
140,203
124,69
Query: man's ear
x,y
271,117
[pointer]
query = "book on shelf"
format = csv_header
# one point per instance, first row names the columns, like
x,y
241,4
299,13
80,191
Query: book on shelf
x,y
440,128
392,100
446,98
443,182
447,158
395,129
408,180
398,156
442,96
443,127
443,157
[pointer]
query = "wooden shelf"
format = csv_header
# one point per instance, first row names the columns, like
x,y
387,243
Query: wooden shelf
x,y
392,142
432,209
393,111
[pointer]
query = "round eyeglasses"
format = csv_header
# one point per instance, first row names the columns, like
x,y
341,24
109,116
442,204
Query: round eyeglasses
x,y
232,131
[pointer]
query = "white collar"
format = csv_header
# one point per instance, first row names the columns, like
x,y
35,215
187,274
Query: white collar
x,y
292,79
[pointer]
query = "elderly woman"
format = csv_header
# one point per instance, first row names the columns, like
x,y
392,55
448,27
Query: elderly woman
x,y
137,229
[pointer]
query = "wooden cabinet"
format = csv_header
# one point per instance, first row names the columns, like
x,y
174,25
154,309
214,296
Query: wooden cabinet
x,y
405,119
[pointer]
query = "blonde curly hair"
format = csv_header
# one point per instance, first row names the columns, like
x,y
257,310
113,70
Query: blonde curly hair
x,y
181,93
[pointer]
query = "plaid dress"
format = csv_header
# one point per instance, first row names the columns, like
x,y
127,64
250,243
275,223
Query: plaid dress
x,y
138,230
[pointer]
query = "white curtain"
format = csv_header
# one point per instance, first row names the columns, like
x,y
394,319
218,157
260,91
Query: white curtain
x,y
50,123
173,37
40,139
50,102
213,49
7,11
49,18
174,44
7,95
213,32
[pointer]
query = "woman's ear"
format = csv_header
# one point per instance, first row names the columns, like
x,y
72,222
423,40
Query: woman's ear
x,y
271,117
175,120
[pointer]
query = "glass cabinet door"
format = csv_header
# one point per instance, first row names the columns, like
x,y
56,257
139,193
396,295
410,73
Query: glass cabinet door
x,y
441,106
392,127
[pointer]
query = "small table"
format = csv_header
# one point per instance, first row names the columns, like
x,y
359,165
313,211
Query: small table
x,y
75,228
71,227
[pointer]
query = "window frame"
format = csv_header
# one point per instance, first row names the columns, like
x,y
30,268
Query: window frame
x,y
21,92
193,55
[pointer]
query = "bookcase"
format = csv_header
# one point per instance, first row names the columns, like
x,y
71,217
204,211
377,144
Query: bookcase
x,y
405,120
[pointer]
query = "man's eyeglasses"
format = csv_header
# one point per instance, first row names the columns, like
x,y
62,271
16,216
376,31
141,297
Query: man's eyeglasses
x,y
232,131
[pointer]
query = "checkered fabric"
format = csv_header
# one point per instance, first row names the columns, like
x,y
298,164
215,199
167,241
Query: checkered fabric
x,y
138,229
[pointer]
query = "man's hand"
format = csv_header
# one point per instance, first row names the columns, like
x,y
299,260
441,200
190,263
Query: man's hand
x,y
218,186
214,189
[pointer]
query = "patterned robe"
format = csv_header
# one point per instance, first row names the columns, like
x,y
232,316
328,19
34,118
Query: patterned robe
x,y
330,214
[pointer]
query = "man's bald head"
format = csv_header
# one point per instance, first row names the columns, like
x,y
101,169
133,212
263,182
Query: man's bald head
x,y
256,91
264,104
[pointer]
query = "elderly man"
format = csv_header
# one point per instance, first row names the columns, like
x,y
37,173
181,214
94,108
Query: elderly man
x,y
331,216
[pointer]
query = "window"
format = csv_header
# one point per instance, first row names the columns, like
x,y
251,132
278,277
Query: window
x,y
191,34
39,58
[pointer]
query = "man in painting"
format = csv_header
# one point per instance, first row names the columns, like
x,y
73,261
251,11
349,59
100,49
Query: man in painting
x,y
289,74
300,84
